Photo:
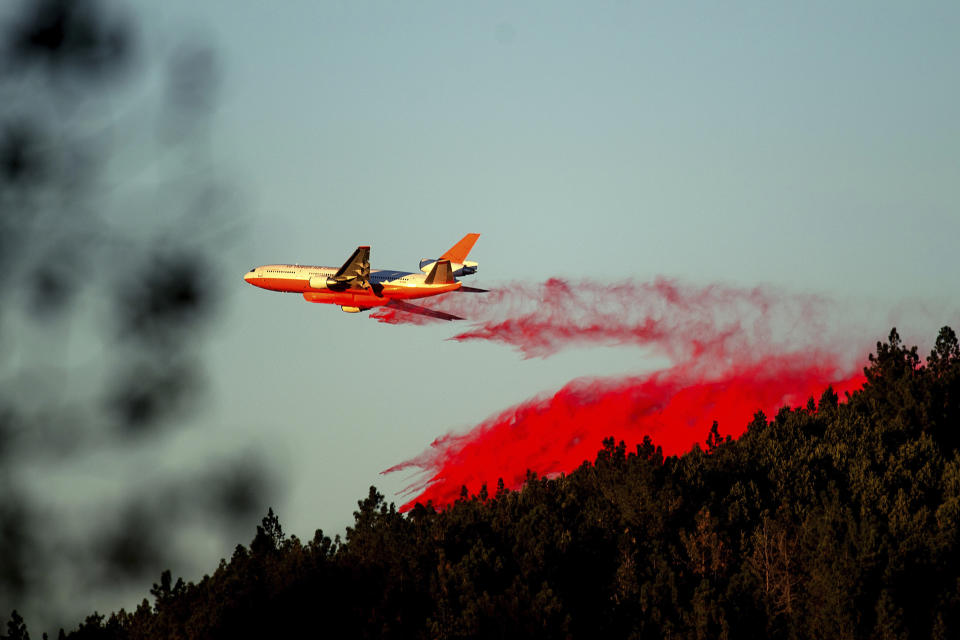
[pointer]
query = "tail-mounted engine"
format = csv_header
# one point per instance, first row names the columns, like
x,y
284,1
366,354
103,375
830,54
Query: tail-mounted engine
x,y
460,269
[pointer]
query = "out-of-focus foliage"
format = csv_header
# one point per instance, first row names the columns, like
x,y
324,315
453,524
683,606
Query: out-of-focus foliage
x,y
111,224
832,520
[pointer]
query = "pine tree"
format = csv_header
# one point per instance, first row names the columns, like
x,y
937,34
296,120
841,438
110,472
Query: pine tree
x,y
16,627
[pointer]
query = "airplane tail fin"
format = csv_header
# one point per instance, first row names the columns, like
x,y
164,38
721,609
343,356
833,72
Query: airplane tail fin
x,y
459,251
441,273
457,255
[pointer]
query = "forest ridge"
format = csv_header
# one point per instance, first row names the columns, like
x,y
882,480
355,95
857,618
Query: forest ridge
x,y
835,519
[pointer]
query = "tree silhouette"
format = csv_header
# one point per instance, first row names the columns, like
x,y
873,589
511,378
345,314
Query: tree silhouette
x,y
853,533
16,628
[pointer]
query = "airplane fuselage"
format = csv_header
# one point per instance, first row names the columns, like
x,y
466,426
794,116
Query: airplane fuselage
x,y
357,287
311,282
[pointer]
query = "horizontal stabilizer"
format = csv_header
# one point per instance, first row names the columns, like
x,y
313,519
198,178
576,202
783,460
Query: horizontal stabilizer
x,y
441,273
423,311
473,290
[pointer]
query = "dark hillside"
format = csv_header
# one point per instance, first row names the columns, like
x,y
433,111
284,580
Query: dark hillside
x,y
839,519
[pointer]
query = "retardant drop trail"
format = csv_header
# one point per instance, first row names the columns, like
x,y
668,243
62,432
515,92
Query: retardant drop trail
x,y
734,352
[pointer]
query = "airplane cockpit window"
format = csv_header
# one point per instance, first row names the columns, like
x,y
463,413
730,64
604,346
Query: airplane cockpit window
x,y
252,270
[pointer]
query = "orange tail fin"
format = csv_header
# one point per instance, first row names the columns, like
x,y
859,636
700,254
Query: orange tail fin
x,y
459,251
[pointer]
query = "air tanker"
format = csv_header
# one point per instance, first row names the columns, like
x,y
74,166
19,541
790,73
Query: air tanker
x,y
356,288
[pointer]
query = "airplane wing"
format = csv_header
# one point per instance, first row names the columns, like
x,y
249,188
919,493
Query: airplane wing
x,y
412,308
355,272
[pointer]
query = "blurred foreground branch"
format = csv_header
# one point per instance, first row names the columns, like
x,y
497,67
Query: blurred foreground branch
x,y
109,207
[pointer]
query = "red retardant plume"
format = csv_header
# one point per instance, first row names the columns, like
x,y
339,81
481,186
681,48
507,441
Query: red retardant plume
x,y
555,434
680,321
734,352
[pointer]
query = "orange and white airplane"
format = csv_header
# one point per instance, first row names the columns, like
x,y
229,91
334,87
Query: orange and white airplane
x,y
356,288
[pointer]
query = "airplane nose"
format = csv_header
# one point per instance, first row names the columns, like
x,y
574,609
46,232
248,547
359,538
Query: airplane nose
x,y
249,276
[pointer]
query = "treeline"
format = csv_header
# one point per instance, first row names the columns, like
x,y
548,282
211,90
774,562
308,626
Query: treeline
x,y
832,520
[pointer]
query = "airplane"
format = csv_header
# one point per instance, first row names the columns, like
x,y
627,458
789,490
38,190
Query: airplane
x,y
356,288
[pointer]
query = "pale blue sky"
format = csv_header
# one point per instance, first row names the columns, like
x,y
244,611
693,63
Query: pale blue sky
x,y
809,145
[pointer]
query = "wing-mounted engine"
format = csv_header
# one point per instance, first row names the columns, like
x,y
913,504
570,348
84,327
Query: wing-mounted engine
x,y
354,274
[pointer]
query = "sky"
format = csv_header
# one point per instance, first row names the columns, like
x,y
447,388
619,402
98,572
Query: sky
x,y
810,147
